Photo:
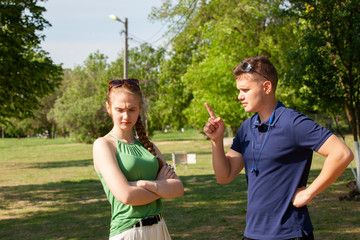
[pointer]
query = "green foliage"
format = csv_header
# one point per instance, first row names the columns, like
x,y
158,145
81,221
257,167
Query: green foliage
x,y
327,59
81,108
26,72
216,36
208,39
144,65
172,98
17,128
212,81
40,124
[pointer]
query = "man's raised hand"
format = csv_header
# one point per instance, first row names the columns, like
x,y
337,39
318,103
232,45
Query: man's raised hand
x,y
210,111
215,126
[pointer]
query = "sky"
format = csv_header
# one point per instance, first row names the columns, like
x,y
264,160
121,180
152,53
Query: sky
x,y
81,27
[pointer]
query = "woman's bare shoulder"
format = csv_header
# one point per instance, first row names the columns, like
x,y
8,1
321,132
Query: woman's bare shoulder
x,y
104,150
103,144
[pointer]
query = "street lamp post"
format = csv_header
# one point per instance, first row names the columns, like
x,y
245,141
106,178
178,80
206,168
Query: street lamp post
x,y
125,22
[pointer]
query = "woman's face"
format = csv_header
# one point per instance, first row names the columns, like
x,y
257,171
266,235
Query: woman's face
x,y
124,109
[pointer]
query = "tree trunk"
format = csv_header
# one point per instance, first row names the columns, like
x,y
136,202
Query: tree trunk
x,y
357,159
54,131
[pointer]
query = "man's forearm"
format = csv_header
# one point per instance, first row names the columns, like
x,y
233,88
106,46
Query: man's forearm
x,y
221,164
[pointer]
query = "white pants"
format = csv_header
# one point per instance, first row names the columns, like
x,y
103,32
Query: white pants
x,y
157,231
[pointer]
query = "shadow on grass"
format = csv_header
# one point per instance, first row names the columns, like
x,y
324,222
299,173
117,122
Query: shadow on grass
x,y
334,219
62,164
208,210
62,210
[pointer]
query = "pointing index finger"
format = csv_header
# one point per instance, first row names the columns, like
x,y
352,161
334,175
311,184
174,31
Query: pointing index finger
x,y
209,109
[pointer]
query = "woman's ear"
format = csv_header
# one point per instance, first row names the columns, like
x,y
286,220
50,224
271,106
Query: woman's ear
x,y
108,108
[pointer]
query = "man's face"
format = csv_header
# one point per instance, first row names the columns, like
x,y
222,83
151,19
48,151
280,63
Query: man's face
x,y
252,92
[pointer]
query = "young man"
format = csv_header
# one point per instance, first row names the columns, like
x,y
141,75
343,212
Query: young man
x,y
275,147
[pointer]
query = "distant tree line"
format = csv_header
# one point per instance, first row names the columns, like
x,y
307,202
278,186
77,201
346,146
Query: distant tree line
x,y
314,45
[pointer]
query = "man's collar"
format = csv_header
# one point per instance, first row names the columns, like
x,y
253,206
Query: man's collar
x,y
279,109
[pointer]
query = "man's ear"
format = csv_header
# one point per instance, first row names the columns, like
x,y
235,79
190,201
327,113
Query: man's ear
x,y
267,87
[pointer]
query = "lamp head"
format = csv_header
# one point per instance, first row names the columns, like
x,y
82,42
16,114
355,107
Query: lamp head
x,y
113,17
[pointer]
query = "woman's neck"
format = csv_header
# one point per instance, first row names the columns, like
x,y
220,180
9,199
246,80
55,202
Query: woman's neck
x,y
126,137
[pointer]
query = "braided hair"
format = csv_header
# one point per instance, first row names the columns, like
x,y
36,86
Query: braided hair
x,y
139,127
140,130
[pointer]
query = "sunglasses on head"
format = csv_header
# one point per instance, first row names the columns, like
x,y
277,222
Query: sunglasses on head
x,y
246,67
119,82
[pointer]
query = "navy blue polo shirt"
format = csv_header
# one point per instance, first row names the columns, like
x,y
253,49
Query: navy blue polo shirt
x,y
283,166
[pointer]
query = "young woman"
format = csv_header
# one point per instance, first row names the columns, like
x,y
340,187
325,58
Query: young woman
x,y
132,170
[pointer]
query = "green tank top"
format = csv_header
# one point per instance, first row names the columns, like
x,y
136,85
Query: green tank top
x,y
136,163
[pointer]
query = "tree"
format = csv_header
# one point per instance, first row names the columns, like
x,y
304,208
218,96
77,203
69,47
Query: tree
x,y
81,107
327,59
172,97
26,72
216,36
41,123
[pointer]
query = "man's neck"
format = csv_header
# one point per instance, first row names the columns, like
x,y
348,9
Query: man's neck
x,y
268,110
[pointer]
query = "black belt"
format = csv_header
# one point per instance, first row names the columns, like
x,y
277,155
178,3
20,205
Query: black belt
x,y
148,221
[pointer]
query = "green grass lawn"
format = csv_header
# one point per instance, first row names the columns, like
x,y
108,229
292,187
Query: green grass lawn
x,y
49,190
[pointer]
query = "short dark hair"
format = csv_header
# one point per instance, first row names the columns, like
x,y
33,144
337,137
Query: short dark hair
x,y
261,65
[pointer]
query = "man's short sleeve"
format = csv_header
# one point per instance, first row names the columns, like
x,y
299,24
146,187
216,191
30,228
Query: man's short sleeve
x,y
309,134
236,142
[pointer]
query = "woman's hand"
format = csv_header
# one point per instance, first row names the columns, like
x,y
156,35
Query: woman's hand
x,y
166,172
167,185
